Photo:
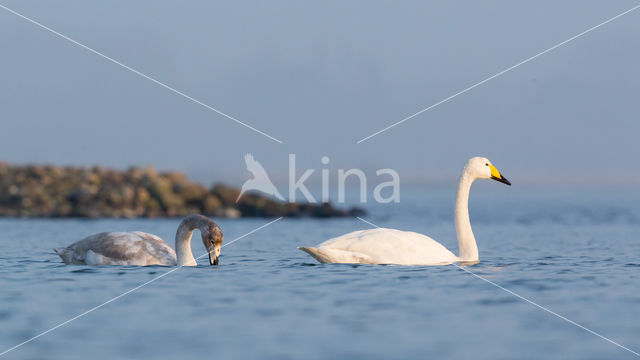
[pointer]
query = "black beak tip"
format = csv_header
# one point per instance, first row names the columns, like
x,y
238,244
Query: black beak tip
x,y
502,179
212,260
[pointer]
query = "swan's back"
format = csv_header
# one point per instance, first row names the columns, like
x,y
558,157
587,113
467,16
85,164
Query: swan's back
x,y
382,246
119,248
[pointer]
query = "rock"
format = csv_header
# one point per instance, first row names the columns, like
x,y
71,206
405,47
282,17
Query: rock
x,y
231,213
52,191
211,205
226,194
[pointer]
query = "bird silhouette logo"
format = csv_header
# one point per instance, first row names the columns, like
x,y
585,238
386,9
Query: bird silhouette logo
x,y
260,180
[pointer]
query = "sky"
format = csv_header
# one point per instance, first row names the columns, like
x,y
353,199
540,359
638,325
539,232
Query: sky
x,y
319,76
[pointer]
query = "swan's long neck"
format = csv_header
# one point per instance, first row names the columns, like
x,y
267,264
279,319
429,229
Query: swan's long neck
x,y
183,247
183,239
466,241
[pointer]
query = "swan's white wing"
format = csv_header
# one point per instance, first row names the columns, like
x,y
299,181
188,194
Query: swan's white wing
x,y
328,255
119,248
255,168
390,246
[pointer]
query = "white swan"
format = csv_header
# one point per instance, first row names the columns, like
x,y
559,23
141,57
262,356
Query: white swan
x,y
390,246
139,248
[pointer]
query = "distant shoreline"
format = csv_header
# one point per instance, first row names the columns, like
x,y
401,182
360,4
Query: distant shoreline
x,y
47,191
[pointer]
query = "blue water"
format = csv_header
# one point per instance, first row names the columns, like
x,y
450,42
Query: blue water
x,y
574,251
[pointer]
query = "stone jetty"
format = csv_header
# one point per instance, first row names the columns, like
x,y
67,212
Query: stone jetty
x,y
96,192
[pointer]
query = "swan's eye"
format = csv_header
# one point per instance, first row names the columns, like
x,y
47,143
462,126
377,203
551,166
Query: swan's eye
x,y
487,164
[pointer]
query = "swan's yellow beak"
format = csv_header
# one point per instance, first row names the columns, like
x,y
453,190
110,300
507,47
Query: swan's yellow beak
x,y
495,175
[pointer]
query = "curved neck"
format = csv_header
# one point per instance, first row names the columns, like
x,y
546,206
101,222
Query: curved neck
x,y
466,241
183,239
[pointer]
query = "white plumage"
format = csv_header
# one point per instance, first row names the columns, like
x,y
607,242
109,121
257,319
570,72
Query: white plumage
x,y
390,246
382,246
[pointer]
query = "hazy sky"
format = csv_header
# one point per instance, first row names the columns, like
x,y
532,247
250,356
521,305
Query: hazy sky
x,y
320,76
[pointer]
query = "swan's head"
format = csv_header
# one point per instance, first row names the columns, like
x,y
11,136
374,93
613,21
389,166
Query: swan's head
x,y
212,240
481,168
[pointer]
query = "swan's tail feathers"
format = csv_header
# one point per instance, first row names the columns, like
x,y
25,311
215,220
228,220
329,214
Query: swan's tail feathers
x,y
315,253
65,254
325,255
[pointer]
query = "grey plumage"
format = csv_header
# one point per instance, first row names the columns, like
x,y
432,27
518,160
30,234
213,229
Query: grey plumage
x,y
140,248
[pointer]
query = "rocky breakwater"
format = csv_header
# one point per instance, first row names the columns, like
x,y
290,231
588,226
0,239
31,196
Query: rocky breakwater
x,y
51,191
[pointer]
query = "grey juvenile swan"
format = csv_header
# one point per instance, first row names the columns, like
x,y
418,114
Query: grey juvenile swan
x,y
139,248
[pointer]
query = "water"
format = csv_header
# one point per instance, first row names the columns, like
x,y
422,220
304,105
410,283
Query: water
x,y
575,251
